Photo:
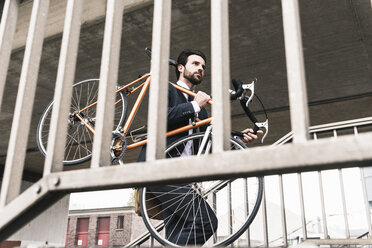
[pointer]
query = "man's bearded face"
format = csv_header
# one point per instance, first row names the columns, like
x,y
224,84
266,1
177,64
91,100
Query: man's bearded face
x,y
194,69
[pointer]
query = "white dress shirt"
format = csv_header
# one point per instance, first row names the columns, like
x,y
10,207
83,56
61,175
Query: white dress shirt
x,y
188,148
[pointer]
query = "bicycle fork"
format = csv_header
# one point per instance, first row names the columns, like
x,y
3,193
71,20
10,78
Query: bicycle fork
x,y
206,142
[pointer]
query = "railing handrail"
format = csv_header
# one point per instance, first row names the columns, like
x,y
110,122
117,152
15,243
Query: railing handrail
x,y
328,127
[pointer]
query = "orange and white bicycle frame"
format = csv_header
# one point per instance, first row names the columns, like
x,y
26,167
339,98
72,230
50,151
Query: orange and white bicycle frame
x,y
132,114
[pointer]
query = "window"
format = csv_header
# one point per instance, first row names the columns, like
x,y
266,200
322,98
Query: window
x,y
103,231
82,232
120,222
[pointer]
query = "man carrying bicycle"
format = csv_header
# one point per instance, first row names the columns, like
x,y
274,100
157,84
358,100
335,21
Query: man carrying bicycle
x,y
183,110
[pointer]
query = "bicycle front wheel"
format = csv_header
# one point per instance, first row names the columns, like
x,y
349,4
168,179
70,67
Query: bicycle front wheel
x,y
214,213
79,140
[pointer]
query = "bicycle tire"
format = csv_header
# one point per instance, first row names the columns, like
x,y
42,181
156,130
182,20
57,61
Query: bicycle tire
x,y
217,239
79,140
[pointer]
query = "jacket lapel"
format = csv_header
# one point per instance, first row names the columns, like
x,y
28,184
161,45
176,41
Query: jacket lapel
x,y
181,96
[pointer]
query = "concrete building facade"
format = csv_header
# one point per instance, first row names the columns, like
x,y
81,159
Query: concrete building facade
x,y
123,225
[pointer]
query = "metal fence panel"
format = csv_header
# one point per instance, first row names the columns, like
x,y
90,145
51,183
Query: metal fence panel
x,y
11,185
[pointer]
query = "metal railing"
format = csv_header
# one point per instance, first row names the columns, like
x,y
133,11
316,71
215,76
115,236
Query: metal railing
x,y
332,128
17,208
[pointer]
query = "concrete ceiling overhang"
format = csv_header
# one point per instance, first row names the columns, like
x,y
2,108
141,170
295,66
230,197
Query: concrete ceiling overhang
x,y
336,41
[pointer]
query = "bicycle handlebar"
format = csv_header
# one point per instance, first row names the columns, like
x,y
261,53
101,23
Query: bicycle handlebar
x,y
171,61
238,86
237,94
249,113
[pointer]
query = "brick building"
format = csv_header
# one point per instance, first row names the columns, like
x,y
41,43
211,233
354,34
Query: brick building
x,y
105,227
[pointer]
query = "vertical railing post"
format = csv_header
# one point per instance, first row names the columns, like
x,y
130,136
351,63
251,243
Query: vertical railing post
x,y
14,164
108,82
344,208
230,220
322,201
246,211
158,96
367,208
7,29
282,207
343,198
302,206
295,71
220,55
264,216
63,90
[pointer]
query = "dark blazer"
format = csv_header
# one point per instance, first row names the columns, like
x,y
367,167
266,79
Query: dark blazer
x,y
179,113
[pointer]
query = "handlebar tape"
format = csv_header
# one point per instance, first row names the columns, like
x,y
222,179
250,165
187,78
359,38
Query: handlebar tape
x,y
238,89
250,115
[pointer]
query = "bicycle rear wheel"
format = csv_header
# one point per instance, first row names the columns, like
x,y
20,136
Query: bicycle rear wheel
x,y
221,211
79,140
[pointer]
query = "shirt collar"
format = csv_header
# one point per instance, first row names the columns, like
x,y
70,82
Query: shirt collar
x,y
182,84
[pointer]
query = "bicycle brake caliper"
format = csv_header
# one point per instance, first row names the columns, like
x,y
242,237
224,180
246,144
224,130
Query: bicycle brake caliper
x,y
265,125
249,87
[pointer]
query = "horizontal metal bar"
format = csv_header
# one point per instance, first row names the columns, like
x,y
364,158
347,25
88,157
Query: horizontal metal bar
x,y
313,155
341,124
140,240
338,241
328,127
283,139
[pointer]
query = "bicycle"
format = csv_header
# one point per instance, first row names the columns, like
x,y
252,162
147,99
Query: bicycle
x,y
239,213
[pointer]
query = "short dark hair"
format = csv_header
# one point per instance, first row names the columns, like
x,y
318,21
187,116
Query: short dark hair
x,y
182,58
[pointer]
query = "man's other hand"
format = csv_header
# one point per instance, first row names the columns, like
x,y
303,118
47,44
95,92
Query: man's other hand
x,y
201,98
249,136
